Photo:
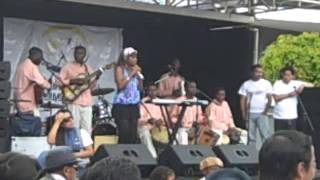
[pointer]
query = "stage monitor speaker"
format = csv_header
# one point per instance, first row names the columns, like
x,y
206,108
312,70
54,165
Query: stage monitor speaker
x,y
241,156
5,89
5,70
138,153
185,159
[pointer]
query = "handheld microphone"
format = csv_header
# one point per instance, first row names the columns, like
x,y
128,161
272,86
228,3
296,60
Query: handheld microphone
x,y
140,75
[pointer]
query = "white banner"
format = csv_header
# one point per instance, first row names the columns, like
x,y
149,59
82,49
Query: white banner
x,y
58,41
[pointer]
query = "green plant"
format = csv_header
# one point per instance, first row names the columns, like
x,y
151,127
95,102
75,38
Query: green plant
x,y
300,51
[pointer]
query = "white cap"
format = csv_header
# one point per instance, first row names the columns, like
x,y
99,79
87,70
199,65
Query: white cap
x,y
128,51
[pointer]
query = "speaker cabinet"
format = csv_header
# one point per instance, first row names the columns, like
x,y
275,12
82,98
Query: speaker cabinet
x,y
240,156
138,153
185,159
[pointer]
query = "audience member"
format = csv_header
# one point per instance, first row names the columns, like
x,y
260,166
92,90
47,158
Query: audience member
x,y
210,164
162,173
287,155
228,174
15,166
64,133
113,168
60,164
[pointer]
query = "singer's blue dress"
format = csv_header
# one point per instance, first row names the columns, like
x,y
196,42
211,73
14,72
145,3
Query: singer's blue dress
x,y
130,94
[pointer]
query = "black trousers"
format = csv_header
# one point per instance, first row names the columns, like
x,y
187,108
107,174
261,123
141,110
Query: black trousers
x,y
285,124
126,118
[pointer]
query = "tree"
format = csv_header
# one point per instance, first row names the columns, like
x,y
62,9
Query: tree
x,y
300,51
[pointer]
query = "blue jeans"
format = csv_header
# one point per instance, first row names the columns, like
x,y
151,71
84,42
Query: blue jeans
x,y
258,121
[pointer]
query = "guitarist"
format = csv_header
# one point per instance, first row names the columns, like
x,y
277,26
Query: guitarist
x,y
81,107
28,76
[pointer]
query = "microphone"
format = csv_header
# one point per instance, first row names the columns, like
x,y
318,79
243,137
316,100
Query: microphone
x,y
140,75
51,67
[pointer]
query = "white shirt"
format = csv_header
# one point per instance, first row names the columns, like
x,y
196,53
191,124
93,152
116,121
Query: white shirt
x,y
257,92
85,138
286,108
57,176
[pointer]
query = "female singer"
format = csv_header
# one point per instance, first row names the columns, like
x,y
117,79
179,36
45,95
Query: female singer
x,y
129,83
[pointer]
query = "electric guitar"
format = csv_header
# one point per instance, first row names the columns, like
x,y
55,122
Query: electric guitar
x,y
73,91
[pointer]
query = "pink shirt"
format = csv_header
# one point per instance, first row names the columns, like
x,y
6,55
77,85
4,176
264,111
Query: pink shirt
x,y
153,109
71,71
220,116
27,76
168,85
190,115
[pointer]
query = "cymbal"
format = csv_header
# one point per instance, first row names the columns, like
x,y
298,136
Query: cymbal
x,y
52,106
101,91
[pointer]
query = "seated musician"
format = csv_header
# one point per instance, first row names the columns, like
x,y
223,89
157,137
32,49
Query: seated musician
x,y
64,133
193,114
220,116
150,117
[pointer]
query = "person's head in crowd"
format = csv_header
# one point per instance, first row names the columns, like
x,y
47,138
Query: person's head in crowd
x,y
152,91
128,56
220,94
67,118
80,53
61,162
162,173
256,72
112,168
287,155
228,174
36,55
15,166
191,89
210,164
287,74
174,67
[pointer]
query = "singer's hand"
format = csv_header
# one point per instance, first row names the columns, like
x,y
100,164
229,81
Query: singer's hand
x,y
134,70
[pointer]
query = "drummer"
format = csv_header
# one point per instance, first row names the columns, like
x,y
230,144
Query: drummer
x,y
150,117
220,117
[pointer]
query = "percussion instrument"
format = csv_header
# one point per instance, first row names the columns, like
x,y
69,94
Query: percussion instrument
x,y
101,110
160,134
208,137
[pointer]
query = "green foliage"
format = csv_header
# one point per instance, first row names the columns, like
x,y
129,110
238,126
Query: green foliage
x,y
300,51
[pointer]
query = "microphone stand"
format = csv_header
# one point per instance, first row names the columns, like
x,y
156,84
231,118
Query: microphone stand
x,y
51,78
196,126
306,117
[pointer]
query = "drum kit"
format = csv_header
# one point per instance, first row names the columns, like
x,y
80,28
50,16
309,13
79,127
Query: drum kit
x,y
103,123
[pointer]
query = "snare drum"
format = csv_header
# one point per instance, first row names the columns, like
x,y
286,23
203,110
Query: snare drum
x,y
101,110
